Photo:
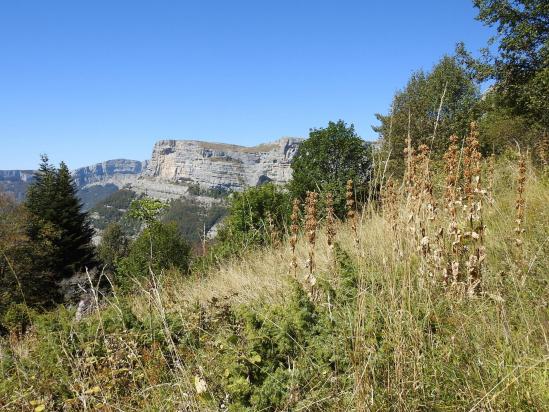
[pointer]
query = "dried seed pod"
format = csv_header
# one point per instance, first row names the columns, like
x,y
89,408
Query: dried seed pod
x,y
294,228
520,202
350,205
330,220
311,226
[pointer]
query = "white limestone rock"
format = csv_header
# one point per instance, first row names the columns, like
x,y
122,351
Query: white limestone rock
x,y
221,166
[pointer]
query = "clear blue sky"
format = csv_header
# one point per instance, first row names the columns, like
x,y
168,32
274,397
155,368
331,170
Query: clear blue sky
x,y
86,81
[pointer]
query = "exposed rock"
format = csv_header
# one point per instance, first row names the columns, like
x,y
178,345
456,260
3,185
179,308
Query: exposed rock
x,y
174,167
16,175
121,171
76,287
15,183
218,165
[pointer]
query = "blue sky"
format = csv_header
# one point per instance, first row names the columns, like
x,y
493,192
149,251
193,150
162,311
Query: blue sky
x,y
86,81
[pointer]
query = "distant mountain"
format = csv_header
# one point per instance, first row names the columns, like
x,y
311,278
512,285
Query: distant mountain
x,y
15,182
99,181
94,183
178,168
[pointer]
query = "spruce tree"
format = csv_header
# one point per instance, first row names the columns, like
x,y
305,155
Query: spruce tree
x,y
57,212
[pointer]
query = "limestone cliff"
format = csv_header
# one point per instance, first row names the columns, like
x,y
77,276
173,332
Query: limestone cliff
x,y
221,166
15,182
119,171
175,167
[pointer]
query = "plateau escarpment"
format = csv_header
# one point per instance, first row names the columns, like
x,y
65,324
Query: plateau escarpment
x,y
221,166
188,168
15,183
119,171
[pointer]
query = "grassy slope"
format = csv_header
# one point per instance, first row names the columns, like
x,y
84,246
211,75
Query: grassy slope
x,y
381,333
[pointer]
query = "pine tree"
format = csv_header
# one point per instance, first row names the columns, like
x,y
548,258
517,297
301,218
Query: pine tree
x,y
57,213
39,196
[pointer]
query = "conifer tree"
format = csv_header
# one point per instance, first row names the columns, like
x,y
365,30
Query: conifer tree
x,y
56,210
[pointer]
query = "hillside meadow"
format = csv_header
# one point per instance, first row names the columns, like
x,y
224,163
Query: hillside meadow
x,y
434,296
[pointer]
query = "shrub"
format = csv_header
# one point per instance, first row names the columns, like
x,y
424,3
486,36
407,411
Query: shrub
x,y
159,247
16,319
253,215
113,246
327,159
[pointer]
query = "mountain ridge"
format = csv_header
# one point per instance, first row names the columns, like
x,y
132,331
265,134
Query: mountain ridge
x,y
176,168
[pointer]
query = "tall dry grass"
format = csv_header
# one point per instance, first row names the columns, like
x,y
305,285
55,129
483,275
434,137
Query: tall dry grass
x,y
447,314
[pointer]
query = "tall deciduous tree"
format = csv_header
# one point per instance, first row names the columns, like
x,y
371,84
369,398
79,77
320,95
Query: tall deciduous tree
x,y
327,159
431,107
520,68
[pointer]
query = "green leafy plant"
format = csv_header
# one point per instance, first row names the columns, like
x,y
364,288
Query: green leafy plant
x,y
327,159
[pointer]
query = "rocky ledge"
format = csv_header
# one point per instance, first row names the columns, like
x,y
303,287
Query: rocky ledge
x,y
221,166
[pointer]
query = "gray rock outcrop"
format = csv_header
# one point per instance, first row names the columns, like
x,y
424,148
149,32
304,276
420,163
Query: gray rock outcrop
x,y
119,171
221,166
176,165
15,183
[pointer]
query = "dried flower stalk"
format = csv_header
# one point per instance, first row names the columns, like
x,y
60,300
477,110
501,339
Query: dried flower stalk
x,y
451,163
520,202
310,228
350,205
474,194
330,220
294,228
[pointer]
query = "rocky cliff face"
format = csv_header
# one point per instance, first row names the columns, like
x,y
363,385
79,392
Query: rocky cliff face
x,y
15,182
221,166
175,166
119,171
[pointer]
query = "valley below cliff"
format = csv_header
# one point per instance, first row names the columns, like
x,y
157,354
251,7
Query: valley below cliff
x,y
192,176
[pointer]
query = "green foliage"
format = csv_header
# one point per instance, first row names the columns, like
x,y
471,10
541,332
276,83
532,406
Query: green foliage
x,y
56,213
501,130
192,218
445,98
247,223
113,210
158,248
92,195
521,67
113,246
146,209
516,106
216,193
348,274
17,318
327,159
277,357
22,280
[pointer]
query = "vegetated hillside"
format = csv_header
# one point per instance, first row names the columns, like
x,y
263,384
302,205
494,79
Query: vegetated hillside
x,y
113,209
93,195
435,299
191,217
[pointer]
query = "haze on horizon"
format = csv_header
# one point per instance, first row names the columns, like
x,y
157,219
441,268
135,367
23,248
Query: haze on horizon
x,y
86,83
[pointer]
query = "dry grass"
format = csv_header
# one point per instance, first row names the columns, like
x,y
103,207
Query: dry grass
x,y
444,318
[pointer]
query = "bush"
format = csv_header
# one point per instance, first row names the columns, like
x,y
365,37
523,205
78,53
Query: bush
x,y
327,159
253,215
16,319
113,246
159,247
